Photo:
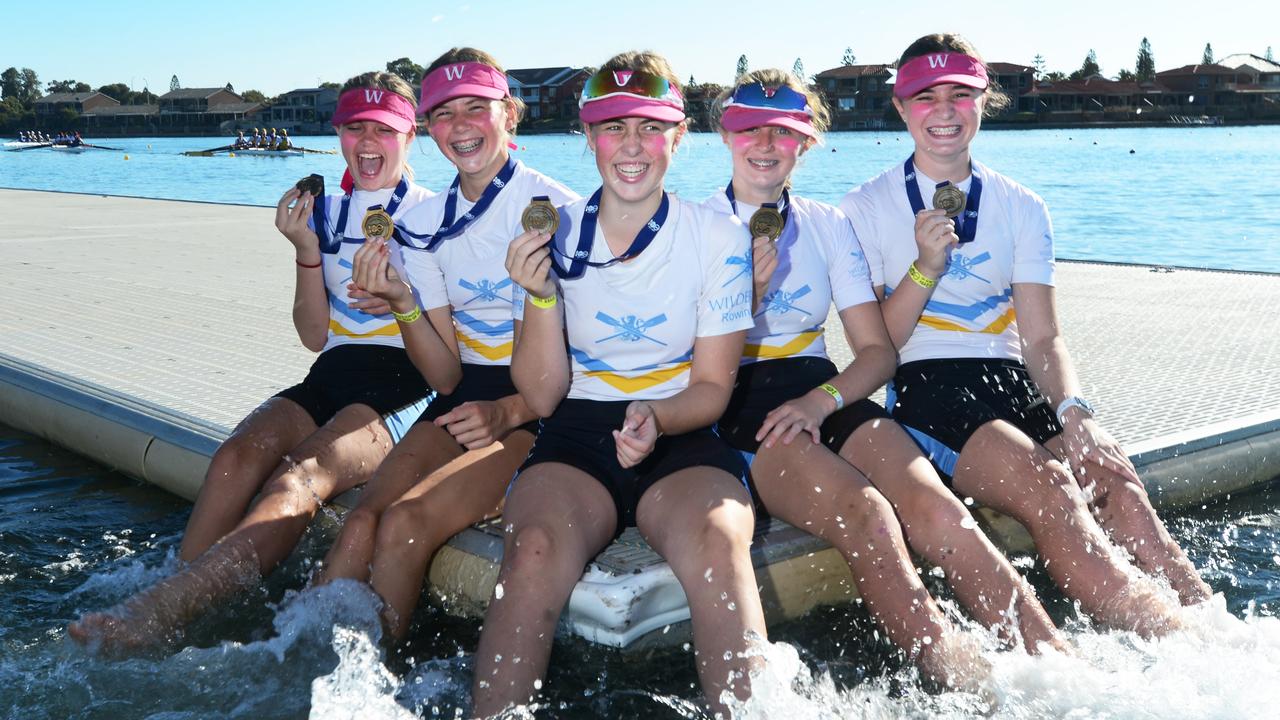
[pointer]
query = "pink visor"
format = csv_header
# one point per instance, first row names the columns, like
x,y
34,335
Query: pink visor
x,y
620,106
375,104
737,119
465,79
937,69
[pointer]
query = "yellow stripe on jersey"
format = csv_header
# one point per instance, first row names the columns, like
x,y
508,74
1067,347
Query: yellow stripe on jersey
x,y
489,352
637,383
798,343
995,328
392,330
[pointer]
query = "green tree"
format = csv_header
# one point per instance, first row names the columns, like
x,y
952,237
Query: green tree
x,y
30,90
143,97
407,69
1038,63
848,58
174,84
331,86
254,96
10,84
118,91
743,67
1126,75
1145,69
67,86
797,69
1268,55
1088,69
1207,58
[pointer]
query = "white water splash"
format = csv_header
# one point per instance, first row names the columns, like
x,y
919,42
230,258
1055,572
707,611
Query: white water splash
x,y
1224,669
360,687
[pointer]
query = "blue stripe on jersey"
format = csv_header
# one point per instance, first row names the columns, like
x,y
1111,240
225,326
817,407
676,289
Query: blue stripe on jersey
x,y
482,327
595,365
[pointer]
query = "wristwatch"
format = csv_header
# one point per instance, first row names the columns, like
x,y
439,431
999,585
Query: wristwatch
x,y
1074,401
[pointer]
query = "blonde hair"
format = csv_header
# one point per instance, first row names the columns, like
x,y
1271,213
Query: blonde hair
x,y
470,54
774,78
996,99
384,81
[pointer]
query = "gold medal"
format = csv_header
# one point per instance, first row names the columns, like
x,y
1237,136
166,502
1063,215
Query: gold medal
x,y
766,222
950,199
541,216
376,224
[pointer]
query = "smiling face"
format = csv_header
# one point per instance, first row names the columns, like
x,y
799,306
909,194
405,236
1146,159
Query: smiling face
x,y
943,119
472,133
763,159
375,153
633,154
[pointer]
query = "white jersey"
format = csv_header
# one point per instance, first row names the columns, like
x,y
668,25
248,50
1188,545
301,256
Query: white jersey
x,y
819,261
347,325
631,326
467,271
970,314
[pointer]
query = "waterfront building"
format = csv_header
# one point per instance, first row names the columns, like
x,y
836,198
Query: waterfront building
x,y
304,110
548,93
49,105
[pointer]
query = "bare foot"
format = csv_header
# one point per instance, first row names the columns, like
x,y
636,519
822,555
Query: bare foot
x,y
115,632
956,662
1141,607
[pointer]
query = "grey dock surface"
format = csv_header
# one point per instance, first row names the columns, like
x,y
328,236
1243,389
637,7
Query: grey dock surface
x,y
139,332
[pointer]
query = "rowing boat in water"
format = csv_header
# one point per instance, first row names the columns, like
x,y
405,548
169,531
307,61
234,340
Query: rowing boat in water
x,y
74,149
23,144
261,152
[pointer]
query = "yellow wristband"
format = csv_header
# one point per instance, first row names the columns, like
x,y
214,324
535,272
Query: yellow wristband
x,y
408,317
543,302
834,392
919,277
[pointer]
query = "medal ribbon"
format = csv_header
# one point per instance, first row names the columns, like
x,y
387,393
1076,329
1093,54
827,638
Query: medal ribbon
x,y
451,226
319,219
783,206
587,236
968,229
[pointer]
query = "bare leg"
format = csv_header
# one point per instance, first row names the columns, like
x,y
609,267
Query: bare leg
x,y
335,458
558,519
239,469
465,491
700,521
1002,468
941,529
422,451
1125,512
811,487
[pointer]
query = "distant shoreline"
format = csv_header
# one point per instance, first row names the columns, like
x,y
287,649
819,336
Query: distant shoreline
x,y
987,125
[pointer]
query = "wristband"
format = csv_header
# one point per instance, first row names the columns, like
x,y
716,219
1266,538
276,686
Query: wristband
x,y
543,302
410,316
919,277
309,267
834,392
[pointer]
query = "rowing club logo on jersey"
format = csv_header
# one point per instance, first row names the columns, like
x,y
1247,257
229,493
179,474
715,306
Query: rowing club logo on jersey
x,y
781,302
743,262
486,290
630,328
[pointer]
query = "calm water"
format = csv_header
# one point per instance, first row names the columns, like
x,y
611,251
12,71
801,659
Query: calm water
x,y
1200,197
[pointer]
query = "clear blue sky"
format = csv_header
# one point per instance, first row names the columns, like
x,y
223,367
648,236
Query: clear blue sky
x,y
277,46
